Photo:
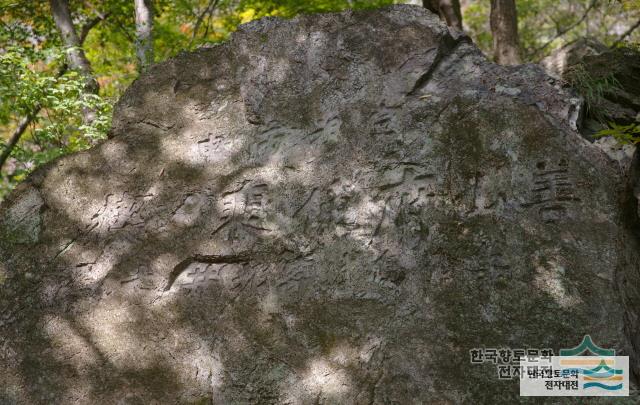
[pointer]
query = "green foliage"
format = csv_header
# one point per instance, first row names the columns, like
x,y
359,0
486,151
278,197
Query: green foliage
x,y
476,21
248,10
592,88
546,25
624,134
29,83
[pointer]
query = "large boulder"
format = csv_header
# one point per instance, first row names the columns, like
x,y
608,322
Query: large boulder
x,y
331,209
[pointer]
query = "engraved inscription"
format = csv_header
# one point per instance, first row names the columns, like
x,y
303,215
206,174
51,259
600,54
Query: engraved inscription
x,y
293,143
411,180
553,190
213,147
141,277
383,124
495,264
256,201
246,204
119,211
274,140
198,276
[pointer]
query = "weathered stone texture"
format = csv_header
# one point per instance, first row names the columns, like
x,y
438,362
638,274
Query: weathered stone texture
x,y
331,209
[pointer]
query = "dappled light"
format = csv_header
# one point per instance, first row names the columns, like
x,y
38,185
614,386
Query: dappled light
x,y
316,218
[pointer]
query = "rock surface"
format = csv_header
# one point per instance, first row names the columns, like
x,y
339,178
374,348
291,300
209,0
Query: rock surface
x,y
331,209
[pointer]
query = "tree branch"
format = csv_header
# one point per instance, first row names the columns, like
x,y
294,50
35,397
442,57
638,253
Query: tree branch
x,y
86,28
27,120
627,33
208,10
75,55
126,33
15,137
566,29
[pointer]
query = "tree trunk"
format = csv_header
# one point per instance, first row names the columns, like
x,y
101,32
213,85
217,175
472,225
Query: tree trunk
x,y
448,10
144,37
504,28
15,137
76,58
